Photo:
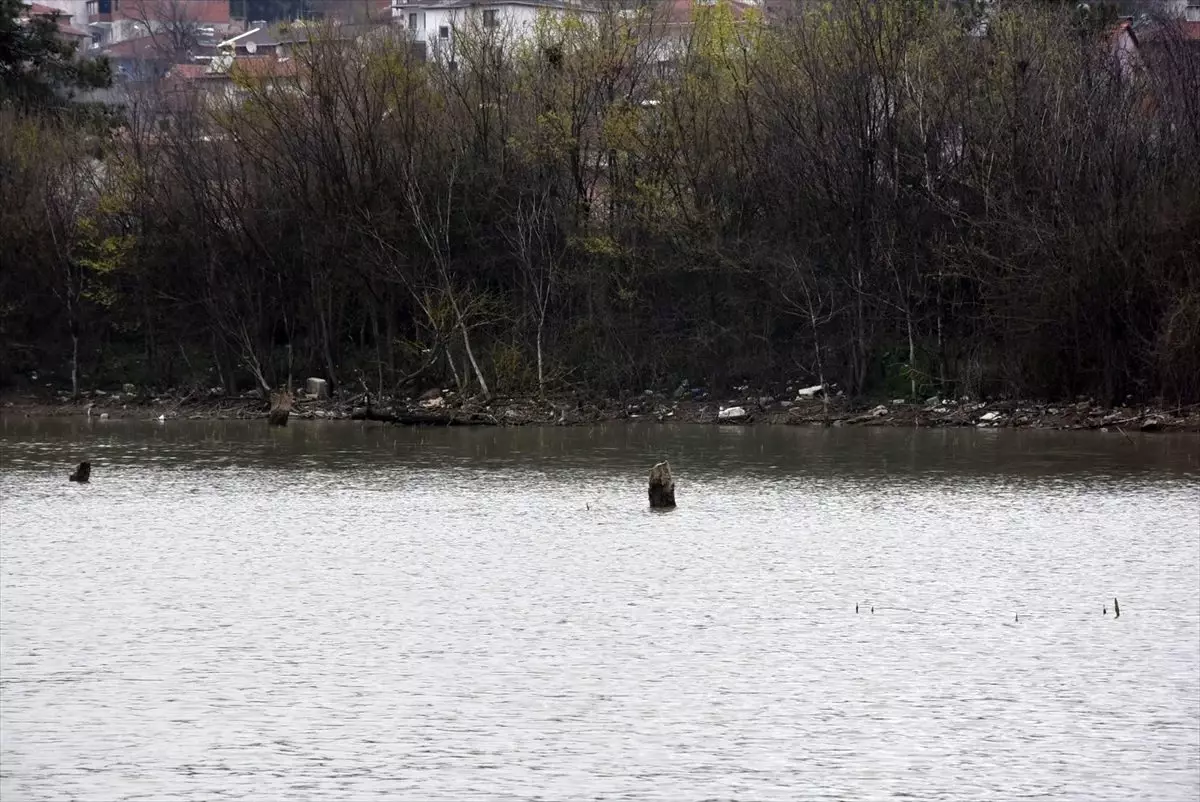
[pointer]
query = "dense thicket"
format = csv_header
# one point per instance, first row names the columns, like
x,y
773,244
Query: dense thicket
x,y
896,197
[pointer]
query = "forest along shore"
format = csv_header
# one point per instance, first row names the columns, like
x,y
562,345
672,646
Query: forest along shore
x,y
964,199
448,408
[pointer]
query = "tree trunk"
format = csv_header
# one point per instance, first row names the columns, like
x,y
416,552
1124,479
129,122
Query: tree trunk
x,y
541,371
74,363
458,382
471,354
912,358
326,340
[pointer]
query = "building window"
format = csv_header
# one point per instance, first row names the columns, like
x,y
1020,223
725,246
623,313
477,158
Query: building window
x,y
416,21
444,32
491,18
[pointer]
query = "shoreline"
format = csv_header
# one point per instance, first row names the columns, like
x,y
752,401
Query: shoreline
x,y
449,410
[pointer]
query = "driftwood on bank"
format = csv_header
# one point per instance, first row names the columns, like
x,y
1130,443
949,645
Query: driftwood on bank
x,y
82,474
424,418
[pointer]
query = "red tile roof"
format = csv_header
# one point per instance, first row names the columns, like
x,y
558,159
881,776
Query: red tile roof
x,y
1188,32
188,72
141,47
60,17
264,67
249,66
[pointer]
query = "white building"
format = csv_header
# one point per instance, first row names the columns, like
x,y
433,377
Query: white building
x,y
435,23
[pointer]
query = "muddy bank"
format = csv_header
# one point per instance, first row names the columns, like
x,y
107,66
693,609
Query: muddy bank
x,y
449,409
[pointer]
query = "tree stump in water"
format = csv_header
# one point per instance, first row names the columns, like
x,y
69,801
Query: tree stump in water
x,y
662,487
281,408
82,473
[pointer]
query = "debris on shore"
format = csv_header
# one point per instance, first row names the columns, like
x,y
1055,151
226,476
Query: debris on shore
x,y
808,407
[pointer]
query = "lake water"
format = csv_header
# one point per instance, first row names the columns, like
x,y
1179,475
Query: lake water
x,y
349,612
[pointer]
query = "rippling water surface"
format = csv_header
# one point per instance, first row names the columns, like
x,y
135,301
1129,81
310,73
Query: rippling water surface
x,y
336,612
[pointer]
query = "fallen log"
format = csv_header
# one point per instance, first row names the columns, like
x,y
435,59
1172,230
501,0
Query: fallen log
x,y
424,418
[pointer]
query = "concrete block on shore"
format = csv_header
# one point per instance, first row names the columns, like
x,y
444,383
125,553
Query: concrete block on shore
x,y
317,388
732,414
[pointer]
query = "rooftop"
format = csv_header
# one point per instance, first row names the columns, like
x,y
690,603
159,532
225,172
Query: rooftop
x,y
60,17
293,33
250,66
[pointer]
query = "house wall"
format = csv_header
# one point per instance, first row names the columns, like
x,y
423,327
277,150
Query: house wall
x,y
114,21
427,25
1124,48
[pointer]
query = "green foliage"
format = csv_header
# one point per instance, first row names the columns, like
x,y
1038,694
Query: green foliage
x,y
103,256
512,369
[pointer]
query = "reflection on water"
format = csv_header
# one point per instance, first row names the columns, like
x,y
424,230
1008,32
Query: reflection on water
x,y
344,612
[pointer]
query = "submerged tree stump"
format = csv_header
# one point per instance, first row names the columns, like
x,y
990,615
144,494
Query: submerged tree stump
x,y
281,408
662,487
82,474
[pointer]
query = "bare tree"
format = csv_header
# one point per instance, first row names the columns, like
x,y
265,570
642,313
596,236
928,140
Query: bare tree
x,y
171,25
434,227
533,241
